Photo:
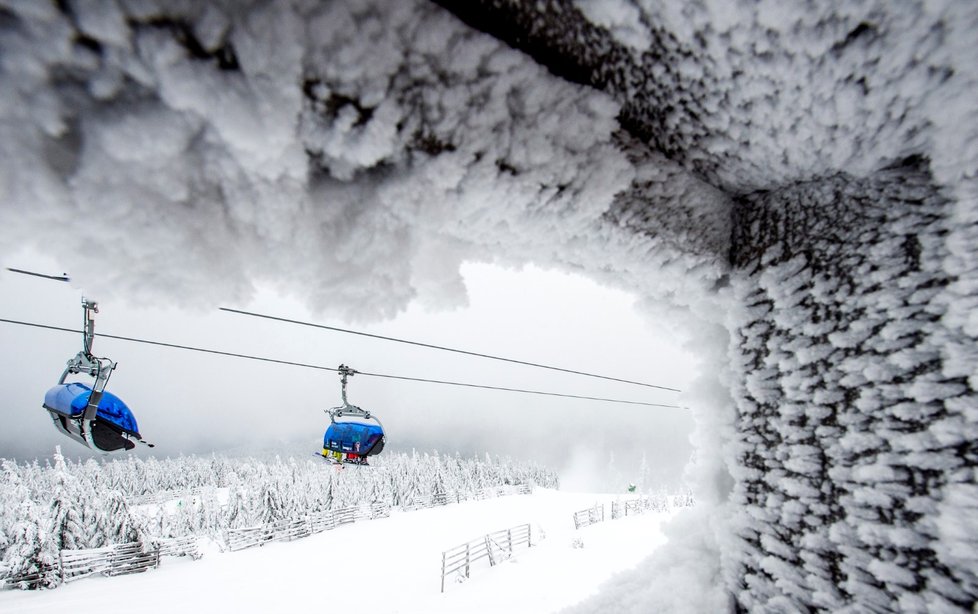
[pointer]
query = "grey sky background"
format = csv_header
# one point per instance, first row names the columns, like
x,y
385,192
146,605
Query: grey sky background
x,y
191,403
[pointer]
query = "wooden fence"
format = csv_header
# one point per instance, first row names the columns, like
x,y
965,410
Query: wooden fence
x,y
496,547
133,558
660,503
114,560
179,546
45,576
434,500
589,516
287,530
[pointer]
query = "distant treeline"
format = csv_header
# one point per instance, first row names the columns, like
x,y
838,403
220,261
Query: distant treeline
x,y
62,505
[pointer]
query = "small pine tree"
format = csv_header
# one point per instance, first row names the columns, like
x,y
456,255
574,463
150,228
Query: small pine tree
x,y
270,505
182,519
123,527
643,475
237,512
66,530
31,556
210,512
94,523
613,474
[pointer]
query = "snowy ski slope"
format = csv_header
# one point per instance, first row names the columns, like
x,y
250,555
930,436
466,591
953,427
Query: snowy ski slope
x,y
390,565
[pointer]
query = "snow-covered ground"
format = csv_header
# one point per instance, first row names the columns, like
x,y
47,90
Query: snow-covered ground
x,y
389,565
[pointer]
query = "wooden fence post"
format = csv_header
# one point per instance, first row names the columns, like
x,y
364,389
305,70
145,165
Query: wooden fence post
x,y
466,560
443,572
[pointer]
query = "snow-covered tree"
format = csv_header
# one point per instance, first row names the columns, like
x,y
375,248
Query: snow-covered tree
x,y
270,508
82,512
122,526
67,528
643,475
237,512
31,553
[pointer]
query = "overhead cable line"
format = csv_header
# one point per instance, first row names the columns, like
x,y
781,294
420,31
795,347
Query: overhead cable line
x,y
62,277
447,349
550,394
171,345
324,368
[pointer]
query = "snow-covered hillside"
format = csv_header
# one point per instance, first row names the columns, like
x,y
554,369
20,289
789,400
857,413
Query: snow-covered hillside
x,y
386,565
77,506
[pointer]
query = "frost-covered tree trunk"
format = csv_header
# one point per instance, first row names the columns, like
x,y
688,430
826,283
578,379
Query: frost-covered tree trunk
x,y
851,453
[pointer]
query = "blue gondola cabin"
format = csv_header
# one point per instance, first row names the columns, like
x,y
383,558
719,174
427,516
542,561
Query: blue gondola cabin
x,y
114,423
352,441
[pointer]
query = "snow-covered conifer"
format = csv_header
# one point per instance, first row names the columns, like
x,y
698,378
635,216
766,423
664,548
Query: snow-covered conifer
x,y
31,554
122,526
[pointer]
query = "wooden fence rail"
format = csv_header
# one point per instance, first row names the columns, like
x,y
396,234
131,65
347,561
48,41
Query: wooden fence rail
x,y
116,560
133,558
631,507
589,516
287,530
659,503
35,579
179,546
495,547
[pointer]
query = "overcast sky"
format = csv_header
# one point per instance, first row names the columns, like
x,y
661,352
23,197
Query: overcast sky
x,y
189,402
